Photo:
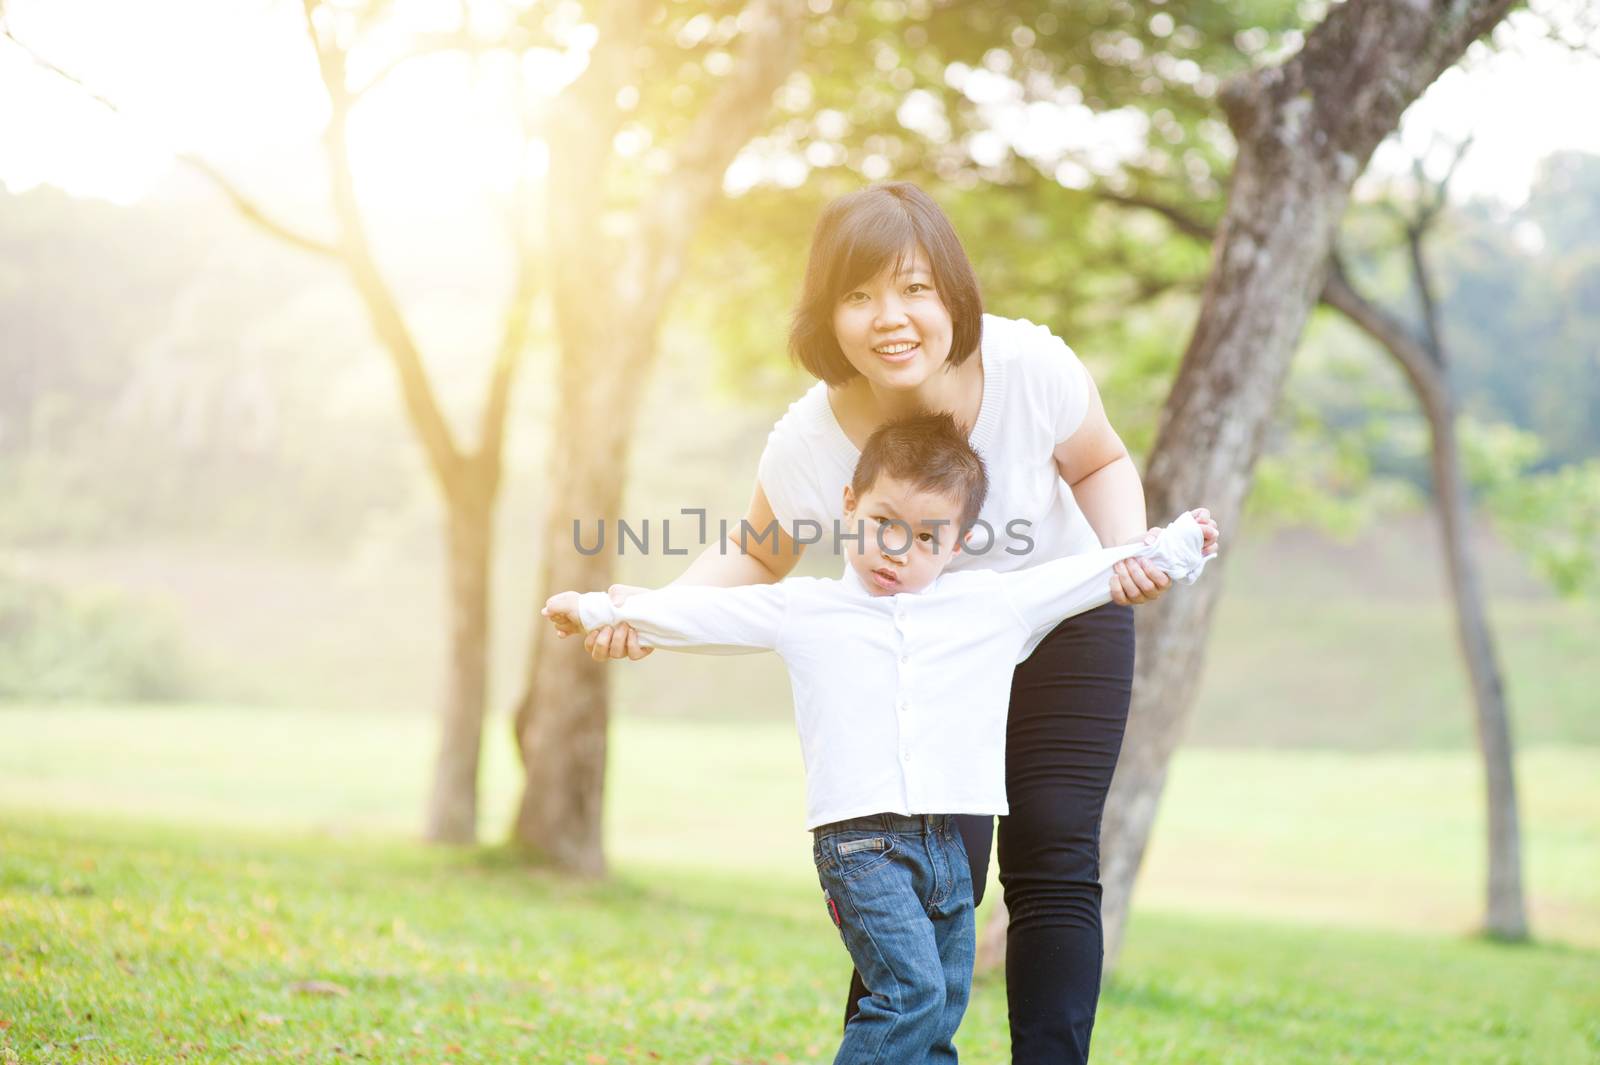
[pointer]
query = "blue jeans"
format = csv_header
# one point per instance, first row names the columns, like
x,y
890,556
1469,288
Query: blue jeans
x,y
900,891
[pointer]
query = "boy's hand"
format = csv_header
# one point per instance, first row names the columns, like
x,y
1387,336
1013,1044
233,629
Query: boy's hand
x,y
1208,526
562,610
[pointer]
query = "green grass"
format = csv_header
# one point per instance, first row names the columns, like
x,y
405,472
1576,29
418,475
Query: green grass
x,y
1365,672
127,942
167,876
1374,840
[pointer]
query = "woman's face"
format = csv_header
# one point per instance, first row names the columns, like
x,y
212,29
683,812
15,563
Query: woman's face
x,y
893,328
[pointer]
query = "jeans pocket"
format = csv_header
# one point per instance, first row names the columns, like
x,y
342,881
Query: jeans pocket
x,y
860,855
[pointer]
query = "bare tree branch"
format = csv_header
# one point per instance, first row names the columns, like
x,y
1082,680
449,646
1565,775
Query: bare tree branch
x,y
249,208
513,342
421,47
766,53
584,120
1392,334
422,407
1180,219
1576,29
1414,354
1432,196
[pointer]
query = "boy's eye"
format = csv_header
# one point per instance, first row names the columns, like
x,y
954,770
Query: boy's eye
x,y
926,538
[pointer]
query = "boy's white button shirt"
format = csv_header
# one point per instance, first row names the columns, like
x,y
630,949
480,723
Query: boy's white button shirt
x,y
900,700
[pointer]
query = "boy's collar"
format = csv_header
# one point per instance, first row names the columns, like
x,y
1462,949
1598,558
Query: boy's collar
x,y
852,580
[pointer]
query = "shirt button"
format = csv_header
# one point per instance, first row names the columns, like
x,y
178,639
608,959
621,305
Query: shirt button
x,y
906,755
904,659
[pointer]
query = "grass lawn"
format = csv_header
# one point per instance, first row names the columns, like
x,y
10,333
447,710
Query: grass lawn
x,y
169,877
130,942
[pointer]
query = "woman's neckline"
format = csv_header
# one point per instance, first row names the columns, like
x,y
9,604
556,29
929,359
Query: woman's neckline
x,y
989,382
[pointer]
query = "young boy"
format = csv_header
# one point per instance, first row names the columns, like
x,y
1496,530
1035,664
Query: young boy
x,y
901,676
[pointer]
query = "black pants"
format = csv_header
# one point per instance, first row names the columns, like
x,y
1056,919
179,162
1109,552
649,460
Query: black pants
x,y
1069,706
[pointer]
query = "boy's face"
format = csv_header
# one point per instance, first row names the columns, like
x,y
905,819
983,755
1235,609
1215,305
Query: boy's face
x,y
908,536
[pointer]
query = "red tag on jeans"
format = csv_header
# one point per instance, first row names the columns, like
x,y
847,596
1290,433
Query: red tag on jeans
x,y
833,910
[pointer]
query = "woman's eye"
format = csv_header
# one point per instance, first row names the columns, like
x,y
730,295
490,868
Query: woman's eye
x,y
856,297
918,287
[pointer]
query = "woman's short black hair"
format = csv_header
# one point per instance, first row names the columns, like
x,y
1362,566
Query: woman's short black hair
x,y
856,237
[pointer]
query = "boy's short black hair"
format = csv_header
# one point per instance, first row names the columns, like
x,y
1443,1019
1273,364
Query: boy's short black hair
x,y
856,237
931,452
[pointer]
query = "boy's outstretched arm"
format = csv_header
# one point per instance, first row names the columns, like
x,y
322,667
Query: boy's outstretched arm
x,y
691,618
1045,594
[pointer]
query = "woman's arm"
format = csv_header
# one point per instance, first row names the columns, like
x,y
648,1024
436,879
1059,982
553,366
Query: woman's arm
x,y
1096,465
763,559
722,565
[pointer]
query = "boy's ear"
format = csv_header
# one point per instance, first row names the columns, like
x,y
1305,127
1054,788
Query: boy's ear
x,y
849,499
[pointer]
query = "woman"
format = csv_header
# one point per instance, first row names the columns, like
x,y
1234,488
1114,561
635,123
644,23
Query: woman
x,y
891,323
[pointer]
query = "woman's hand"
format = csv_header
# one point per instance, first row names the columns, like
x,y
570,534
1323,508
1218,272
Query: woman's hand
x,y
1138,580
616,641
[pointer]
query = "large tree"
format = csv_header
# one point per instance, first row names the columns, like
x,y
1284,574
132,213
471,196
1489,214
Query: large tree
x,y
1065,259
467,474
619,234
1305,129
1423,357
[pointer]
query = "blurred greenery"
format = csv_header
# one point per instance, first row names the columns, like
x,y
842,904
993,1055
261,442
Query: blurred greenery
x,y
1553,515
80,645
183,381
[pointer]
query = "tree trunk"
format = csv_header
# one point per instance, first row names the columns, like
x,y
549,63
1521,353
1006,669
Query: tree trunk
x,y
452,814
609,297
1505,915
561,720
1305,130
1425,367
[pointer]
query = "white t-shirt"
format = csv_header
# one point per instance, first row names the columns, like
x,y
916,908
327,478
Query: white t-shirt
x,y
1035,393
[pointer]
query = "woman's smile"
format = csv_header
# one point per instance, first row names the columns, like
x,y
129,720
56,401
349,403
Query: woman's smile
x,y
897,351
